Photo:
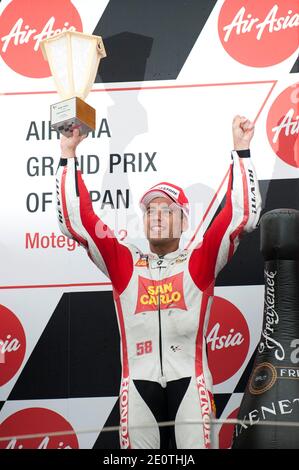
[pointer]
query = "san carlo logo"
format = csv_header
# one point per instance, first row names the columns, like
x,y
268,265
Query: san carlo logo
x,y
259,33
49,430
283,125
12,345
24,24
227,339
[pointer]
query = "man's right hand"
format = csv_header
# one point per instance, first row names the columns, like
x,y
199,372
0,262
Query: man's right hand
x,y
68,145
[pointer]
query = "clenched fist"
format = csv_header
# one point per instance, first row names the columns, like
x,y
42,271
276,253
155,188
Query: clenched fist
x,y
243,131
68,145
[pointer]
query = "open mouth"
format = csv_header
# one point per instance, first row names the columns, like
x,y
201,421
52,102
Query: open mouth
x,y
157,228
159,231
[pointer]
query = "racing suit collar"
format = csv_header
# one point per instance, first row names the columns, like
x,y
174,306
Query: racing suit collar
x,y
171,255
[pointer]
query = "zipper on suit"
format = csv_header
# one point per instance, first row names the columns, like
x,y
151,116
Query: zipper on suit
x,y
163,379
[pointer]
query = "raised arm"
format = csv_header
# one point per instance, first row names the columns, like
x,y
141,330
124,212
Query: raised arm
x,y
240,213
77,219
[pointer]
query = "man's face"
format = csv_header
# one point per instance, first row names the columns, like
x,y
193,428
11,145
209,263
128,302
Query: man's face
x,y
163,220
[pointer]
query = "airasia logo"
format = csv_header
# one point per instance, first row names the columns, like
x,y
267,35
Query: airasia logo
x,y
227,338
24,24
226,432
12,345
259,33
40,423
283,125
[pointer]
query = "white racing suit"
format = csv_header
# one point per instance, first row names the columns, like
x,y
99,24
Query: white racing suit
x,y
162,308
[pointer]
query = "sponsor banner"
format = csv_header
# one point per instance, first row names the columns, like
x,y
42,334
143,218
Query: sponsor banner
x,y
73,418
283,125
23,27
228,339
276,22
249,40
276,132
24,315
226,431
12,344
259,34
233,333
42,423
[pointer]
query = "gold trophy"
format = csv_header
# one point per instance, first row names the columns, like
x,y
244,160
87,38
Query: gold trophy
x,y
73,60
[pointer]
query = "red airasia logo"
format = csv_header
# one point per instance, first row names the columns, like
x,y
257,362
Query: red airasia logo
x,y
226,432
12,344
227,340
283,125
259,33
24,24
39,422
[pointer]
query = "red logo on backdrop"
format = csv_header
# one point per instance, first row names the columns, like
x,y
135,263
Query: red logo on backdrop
x,y
283,125
12,344
167,293
25,23
41,422
259,33
226,432
227,339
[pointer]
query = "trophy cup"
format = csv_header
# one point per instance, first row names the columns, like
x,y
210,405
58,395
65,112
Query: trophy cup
x,y
73,60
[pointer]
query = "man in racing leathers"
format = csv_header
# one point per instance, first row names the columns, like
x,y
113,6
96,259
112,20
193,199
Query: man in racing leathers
x,y
162,298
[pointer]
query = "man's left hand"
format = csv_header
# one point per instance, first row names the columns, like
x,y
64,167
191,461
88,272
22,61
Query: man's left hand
x,y
243,131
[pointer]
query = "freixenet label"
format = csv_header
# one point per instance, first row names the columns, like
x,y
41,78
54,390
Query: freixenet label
x,y
12,344
259,33
271,320
283,125
24,24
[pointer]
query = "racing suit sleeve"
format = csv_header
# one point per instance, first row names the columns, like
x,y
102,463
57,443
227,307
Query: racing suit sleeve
x,y
77,220
240,214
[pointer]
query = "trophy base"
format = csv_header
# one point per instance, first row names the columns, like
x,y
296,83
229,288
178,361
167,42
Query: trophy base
x,y
71,114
